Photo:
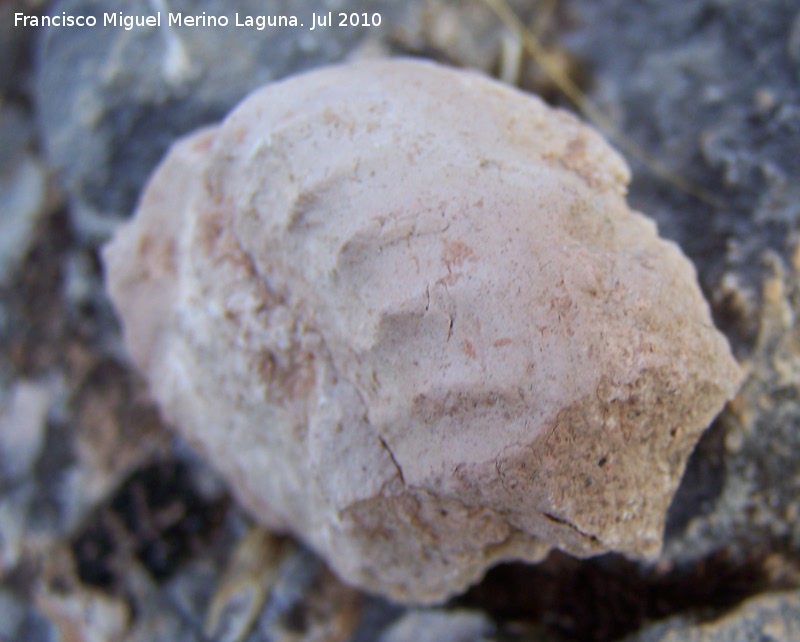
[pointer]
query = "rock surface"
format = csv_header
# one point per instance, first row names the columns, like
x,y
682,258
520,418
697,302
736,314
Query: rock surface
x,y
22,191
422,342
775,618
431,626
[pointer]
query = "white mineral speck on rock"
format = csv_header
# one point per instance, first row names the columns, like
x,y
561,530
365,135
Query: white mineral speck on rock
x,y
408,314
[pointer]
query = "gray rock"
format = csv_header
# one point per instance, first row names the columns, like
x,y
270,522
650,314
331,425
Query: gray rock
x,y
175,612
436,625
14,43
23,424
15,504
22,191
111,100
20,621
22,427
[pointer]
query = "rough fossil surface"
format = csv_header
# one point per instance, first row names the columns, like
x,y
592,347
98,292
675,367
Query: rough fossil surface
x,y
422,339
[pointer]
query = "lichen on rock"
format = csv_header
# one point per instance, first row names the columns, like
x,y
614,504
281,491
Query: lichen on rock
x,y
408,314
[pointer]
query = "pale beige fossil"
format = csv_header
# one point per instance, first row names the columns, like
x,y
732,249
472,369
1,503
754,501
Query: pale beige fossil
x,y
407,313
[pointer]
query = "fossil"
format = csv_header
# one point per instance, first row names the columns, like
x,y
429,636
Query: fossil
x,y
407,313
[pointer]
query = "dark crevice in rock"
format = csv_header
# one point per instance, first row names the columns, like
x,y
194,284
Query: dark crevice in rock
x,y
570,525
394,461
607,597
156,517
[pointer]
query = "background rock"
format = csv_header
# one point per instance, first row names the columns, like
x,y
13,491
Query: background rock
x,y
23,190
432,626
22,621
